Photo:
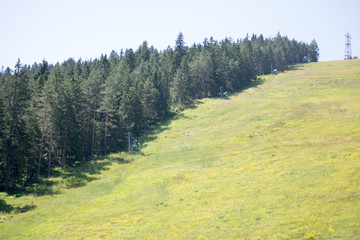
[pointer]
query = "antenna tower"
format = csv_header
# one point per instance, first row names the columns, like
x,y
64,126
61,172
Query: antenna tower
x,y
347,47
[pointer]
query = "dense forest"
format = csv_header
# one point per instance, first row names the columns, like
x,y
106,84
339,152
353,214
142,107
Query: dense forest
x,y
61,115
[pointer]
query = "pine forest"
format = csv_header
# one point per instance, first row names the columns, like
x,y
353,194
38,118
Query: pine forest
x,y
63,115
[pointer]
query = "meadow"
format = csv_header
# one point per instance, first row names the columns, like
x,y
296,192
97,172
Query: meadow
x,y
280,160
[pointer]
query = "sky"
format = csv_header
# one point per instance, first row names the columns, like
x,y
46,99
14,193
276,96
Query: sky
x,y
56,30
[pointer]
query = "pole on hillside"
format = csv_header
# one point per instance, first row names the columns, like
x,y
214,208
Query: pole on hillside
x,y
129,141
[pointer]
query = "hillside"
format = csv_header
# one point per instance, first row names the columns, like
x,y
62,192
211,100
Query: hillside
x,y
68,113
276,161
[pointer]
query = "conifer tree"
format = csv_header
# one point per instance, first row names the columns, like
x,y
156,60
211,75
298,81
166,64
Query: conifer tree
x,y
17,94
2,139
179,51
314,51
182,84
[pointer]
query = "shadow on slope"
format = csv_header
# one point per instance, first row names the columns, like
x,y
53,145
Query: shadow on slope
x,y
163,125
67,178
84,173
7,208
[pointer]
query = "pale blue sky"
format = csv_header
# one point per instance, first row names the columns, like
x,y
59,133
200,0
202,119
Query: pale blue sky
x,y
59,29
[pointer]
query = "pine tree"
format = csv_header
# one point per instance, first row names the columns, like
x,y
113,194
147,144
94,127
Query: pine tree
x,y
182,84
18,144
106,109
93,91
150,98
180,50
130,60
114,59
202,76
42,74
314,51
2,138
44,122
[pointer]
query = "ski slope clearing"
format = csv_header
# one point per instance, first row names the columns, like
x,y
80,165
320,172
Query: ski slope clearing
x,y
276,161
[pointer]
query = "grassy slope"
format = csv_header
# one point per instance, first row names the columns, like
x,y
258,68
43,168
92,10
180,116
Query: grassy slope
x,y
279,161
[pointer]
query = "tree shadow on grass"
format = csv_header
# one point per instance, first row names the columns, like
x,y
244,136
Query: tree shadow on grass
x,y
40,188
157,128
81,175
75,177
163,125
253,84
194,104
296,67
118,160
7,208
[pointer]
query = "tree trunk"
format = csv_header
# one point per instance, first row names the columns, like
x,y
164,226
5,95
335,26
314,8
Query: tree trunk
x,y
63,161
87,134
50,152
93,133
40,153
42,141
9,142
106,124
29,172
129,141
8,159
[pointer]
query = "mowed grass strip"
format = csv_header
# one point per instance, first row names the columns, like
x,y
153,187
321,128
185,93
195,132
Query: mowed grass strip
x,y
277,161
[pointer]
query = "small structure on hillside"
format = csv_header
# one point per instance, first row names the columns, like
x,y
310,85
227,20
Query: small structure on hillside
x,y
307,59
136,145
348,53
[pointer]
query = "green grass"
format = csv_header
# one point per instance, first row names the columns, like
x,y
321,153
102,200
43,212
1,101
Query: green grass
x,y
277,161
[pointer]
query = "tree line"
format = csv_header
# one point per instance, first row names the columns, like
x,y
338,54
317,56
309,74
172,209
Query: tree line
x,y
64,114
